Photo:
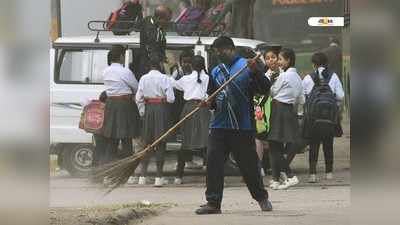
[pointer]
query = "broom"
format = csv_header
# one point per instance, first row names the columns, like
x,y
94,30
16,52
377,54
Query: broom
x,y
117,173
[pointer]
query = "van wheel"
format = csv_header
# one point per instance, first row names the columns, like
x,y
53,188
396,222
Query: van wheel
x,y
78,159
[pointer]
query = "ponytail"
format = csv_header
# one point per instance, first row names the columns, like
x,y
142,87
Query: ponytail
x,y
198,66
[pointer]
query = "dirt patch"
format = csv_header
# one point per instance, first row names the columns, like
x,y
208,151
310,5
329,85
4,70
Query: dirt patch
x,y
106,215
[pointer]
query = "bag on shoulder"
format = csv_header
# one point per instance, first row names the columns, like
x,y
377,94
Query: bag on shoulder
x,y
214,17
189,20
320,110
92,117
125,18
262,113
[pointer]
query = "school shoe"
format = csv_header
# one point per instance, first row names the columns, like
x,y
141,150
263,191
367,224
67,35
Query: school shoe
x,y
159,182
312,178
208,209
132,180
274,185
178,181
284,185
329,176
142,180
293,181
265,205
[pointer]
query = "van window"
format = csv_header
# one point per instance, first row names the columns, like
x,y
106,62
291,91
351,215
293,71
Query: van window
x,y
80,66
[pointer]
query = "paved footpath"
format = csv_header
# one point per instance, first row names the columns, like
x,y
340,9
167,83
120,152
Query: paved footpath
x,y
324,203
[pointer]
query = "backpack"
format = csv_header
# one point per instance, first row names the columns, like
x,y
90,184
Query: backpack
x,y
92,117
262,111
320,110
189,21
122,20
215,17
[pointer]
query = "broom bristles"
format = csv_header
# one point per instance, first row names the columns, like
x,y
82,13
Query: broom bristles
x,y
117,173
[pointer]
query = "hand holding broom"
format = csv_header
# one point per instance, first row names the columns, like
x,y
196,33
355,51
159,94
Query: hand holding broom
x,y
118,172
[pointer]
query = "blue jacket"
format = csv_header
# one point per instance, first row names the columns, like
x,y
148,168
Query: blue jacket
x,y
233,106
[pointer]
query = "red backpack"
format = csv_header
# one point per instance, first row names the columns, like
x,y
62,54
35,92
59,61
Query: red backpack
x,y
214,17
128,12
189,21
92,117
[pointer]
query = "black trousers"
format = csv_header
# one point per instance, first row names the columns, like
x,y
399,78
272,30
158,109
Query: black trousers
x,y
242,145
99,150
279,163
327,143
184,155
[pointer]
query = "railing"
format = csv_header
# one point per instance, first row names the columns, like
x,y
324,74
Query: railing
x,y
184,29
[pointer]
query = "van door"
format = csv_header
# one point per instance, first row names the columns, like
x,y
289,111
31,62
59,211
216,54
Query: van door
x,y
76,79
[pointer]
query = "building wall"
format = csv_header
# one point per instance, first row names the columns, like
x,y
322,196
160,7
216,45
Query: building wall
x,y
75,14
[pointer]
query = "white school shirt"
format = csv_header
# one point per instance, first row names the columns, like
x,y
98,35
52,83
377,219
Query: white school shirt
x,y
119,80
192,90
154,85
334,84
288,88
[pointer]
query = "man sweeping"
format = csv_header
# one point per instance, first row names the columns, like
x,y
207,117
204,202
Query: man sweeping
x,y
232,129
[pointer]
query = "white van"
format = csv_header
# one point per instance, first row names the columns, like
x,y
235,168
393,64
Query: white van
x,y
76,65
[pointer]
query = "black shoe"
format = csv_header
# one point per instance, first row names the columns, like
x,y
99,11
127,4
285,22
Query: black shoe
x,y
265,205
208,209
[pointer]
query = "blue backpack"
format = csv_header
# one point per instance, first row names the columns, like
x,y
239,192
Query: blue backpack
x,y
320,110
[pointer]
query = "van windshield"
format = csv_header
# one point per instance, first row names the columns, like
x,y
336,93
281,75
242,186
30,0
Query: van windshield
x,y
80,66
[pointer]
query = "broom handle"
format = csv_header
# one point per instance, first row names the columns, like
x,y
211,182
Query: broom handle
x,y
156,142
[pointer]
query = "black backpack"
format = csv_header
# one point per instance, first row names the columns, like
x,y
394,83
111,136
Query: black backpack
x,y
125,19
320,110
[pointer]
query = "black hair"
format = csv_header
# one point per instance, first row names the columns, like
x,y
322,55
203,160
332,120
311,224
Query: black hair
x,y
223,42
198,63
116,52
319,59
187,53
273,50
109,58
154,61
288,54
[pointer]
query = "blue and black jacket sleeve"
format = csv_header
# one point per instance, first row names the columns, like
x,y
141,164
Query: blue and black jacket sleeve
x,y
259,83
